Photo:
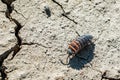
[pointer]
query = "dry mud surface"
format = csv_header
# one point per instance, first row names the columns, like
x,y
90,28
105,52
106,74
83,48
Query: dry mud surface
x,y
41,61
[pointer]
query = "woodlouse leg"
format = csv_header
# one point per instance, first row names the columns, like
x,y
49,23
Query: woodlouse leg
x,y
76,45
71,47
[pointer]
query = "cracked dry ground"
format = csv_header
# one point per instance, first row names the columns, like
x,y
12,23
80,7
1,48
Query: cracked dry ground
x,y
49,37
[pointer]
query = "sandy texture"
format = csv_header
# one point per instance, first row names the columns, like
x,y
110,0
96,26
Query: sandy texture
x,y
100,18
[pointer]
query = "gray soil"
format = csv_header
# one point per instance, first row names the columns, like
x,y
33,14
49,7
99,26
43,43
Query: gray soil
x,y
51,35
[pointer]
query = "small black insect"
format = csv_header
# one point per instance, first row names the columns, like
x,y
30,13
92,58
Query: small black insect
x,y
47,11
78,44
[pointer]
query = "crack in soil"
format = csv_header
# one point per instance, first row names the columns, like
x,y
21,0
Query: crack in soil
x,y
17,47
10,7
31,43
59,5
64,14
103,76
69,18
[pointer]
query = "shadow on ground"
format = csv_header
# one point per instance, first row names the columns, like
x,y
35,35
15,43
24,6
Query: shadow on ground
x,y
83,57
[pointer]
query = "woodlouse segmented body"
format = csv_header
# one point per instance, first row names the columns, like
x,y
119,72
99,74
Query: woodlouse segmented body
x,y
76,45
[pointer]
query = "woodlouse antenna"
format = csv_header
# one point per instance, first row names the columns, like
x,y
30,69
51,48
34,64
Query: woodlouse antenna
x,y
67,60
77,33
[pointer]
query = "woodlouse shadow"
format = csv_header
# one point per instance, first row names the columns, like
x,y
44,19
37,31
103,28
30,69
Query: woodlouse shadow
x,y
83,57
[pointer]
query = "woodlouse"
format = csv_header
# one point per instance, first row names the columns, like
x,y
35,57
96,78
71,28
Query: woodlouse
x,y
78,44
